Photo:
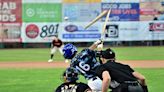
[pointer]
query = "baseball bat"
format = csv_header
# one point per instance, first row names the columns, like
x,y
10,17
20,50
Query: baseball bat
x,y
104,26
100,47
97,18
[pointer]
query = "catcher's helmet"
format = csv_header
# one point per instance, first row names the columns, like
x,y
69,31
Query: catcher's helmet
x,y
69,51
71,74
108,54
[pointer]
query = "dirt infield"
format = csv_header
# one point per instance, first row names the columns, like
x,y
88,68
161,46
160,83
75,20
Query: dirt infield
x,y
134,64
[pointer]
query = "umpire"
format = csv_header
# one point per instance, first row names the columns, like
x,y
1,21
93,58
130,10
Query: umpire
x,y
122,78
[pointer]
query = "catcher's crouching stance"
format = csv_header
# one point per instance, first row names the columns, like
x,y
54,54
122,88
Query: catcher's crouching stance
x,y
70,85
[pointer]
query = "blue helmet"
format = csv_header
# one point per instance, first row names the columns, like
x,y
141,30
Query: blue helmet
x,y
69,51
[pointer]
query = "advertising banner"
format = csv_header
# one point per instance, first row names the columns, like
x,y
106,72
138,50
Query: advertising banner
x,y
157,30
11,11
122,11
10,32
122,31
151,11
134,31
121,1
151,0
81,1
42,1
40,32
42,12
81,12
75,32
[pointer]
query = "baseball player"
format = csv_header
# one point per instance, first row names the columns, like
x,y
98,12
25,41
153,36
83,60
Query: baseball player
x,y
70,85
56,44
123,77
85,62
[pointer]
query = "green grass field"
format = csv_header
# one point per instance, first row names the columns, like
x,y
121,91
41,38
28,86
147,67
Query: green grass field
x,y
46,80
123,53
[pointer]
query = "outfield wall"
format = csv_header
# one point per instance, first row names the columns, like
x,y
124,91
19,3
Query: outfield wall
x,y
33,21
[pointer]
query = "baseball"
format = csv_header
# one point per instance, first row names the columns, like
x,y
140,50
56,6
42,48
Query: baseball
x,y
66,18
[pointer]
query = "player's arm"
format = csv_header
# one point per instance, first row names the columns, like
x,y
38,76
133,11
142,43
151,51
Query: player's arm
x,y
95,44
52,44
142,80
106,81
140,77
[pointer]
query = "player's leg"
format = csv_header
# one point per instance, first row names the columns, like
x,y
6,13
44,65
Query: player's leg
x,y
53,50
135,89
61,49
95,84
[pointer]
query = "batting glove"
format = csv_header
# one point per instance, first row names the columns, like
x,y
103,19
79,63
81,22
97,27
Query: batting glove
x,y
99,41
100,46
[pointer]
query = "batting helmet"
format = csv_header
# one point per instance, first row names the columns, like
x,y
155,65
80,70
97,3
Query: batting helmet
x,y
71,74
69,51
108,54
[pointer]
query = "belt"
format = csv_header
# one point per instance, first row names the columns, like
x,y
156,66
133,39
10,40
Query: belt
x,y
132,83
93,78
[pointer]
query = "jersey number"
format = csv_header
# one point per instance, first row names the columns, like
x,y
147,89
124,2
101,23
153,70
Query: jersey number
x,y
83,67
70,88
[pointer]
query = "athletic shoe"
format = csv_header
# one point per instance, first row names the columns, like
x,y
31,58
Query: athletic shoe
x,y
66,61
50,60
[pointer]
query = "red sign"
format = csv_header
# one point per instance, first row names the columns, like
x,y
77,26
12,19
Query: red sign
x,y
32,31
148,12
156,26
11,11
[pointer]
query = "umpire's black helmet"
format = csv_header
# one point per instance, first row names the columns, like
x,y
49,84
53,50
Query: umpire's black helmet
x,y
108,54
71,74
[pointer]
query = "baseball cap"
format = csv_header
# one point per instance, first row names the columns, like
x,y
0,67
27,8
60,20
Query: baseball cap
x,y
108,54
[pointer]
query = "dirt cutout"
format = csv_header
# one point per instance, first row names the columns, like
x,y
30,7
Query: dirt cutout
x,y
59,64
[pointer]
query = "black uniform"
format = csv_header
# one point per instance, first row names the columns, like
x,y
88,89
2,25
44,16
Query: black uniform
x,y
58,43
122,74
72,87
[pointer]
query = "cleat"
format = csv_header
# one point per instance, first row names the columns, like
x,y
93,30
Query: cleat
x,y
50,60
66,61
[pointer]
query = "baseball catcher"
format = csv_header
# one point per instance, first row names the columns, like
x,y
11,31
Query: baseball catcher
x,y
70,85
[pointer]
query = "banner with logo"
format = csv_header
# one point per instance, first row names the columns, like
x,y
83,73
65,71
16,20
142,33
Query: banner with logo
x,y
10,11
151,0
40,32
10,20
156,30
81,12
121,1
151,11
81,1
42,1
134,31
122,11
10,32
42,12
75,32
